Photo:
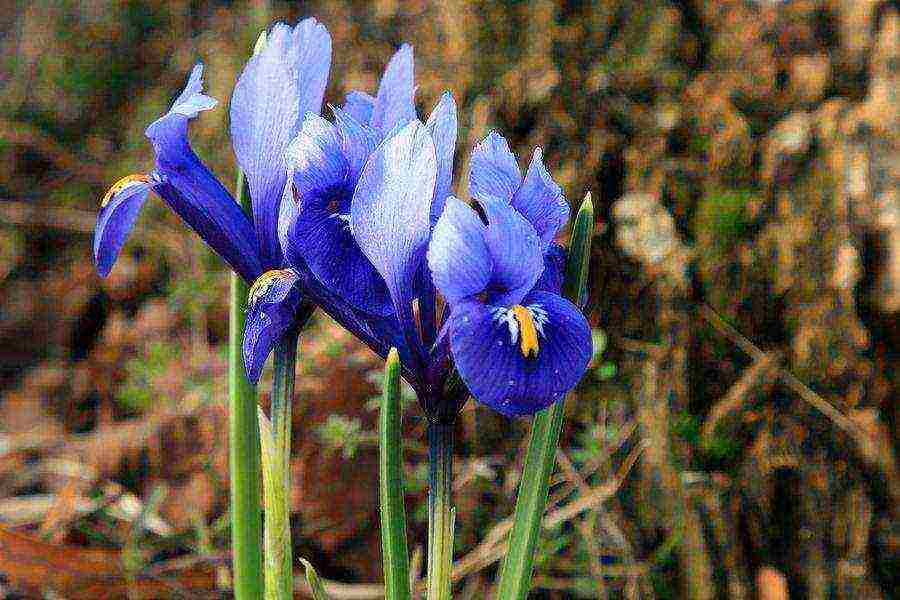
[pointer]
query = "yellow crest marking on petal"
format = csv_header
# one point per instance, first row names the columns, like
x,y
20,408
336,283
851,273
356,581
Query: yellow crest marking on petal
x,y
127,181
528,334
262,283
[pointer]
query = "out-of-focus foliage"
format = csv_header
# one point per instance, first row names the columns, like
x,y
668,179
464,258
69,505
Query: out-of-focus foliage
x,y
743,156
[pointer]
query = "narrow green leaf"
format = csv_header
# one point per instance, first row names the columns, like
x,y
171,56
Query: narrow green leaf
x,y
393,512
515,578
312,579
243,433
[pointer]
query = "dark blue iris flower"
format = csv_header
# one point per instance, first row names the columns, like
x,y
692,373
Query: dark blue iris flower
x,y
518,345
277,88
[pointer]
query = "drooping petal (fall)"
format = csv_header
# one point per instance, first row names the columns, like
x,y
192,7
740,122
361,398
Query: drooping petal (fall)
x,y
334,257
193,192
519,360
119,210
273,305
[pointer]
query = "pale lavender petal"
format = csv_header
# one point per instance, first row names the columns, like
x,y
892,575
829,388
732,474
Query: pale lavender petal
x,y
395,105
442,124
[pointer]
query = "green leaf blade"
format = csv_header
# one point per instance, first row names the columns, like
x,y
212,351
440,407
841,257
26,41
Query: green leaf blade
x,y
393,511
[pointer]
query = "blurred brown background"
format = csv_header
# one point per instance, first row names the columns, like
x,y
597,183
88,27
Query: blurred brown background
x,y
744,160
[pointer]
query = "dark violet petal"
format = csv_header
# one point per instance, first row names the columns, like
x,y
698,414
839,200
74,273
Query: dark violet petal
x,y
264,114
272,308
216,218
491,361
193,192
358,141
493,171
540,200
515,252
458,254
359,105
316,160
442,124
311,53
551,279
395,105
389,213
334,257
119,210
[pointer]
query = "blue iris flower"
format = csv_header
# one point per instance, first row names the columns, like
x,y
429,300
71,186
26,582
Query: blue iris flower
x,y
518,345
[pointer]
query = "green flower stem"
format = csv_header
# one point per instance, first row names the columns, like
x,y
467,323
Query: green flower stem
x,y
515,578
440,513
276,455
393,513
243,434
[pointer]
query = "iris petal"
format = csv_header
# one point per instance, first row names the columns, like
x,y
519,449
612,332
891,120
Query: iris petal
x,y
515,252
493,171
540,200
316,160
394,105
264,110
334,257
273,304
359,105
390,210
377,332
442,124
118,212
551,279
357,140
458,254
277,87
311,53
494,367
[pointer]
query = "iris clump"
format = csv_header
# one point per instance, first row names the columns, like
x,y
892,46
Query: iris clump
x,y
351,213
